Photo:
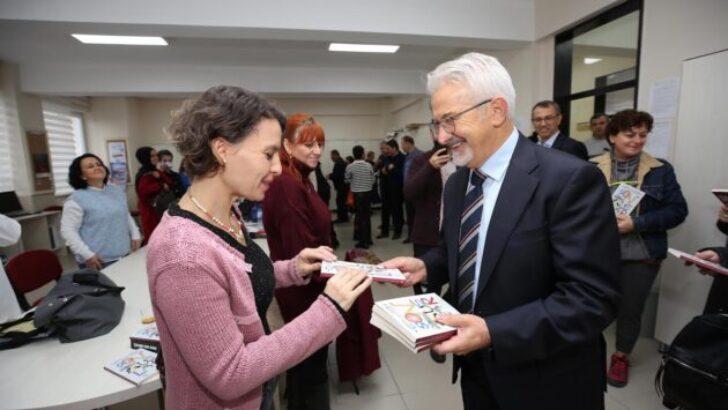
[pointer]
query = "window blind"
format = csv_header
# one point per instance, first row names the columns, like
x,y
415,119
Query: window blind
x,y
65,142
6,160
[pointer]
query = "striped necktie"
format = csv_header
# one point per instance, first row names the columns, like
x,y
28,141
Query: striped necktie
x,y
468,250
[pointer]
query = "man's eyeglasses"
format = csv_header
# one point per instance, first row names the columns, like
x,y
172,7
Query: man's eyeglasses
x,y
448,123
547,118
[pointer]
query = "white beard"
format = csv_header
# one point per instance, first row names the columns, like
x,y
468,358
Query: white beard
x,y
463,156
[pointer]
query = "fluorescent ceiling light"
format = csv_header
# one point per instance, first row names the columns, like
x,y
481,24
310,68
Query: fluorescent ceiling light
x,y
591,60
363,48
126,40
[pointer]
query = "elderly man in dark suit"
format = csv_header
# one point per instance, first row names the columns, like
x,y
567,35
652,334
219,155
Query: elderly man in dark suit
x,y
546,118
529,247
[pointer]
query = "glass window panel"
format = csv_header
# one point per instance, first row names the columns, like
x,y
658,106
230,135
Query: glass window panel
x,y
619,100
581,111
606,54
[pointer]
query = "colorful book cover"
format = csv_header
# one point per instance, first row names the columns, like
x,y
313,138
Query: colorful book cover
x,y
146,334
376,273
701,263
626,198
136,366
416,316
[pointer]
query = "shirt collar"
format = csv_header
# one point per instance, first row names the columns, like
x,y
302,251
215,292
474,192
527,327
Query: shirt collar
x,y
495,167
550,141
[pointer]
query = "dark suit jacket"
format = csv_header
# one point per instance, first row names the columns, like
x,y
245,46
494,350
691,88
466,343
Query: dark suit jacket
x,y
567,144
338,175
548,282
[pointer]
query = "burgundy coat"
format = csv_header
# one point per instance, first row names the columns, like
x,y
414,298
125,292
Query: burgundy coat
x,y
295,217
149,187
423,188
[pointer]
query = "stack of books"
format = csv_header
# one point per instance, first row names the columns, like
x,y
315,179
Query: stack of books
x,y
377,274
412,320
146,337
136,366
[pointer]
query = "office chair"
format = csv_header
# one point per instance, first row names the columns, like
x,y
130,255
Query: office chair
x,y
30,270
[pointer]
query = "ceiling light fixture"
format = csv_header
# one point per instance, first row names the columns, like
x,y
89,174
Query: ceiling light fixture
x,y
123,40
363,48
591,60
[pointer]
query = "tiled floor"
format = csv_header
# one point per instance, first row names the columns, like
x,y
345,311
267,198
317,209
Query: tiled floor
x,y
408,381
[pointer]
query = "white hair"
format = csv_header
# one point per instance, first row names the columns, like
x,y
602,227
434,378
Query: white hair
x,y
484,75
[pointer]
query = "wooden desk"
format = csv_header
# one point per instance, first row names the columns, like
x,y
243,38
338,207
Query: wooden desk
x,y
49,374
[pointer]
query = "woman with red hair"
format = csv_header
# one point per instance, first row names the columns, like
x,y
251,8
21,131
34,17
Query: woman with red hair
x,y
295,217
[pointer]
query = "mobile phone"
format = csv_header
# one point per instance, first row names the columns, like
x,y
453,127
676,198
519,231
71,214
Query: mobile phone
x,y
722,195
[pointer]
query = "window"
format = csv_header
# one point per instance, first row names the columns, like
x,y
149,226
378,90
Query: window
x,y
6,159
596,67
66,141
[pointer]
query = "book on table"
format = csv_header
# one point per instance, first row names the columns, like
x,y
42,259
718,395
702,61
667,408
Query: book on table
x,y
377,274
701,263
412,320
146,337
722,195
136,366
626,198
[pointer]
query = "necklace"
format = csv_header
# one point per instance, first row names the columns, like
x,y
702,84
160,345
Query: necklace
x,y
236,233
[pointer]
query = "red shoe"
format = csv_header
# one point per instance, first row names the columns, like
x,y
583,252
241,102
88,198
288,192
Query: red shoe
x,y
618,371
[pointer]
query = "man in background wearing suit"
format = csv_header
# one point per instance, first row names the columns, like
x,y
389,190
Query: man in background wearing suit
x,y
529,247
546,118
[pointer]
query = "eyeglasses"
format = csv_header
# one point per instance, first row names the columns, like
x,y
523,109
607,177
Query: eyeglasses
x,y
448,123
547,118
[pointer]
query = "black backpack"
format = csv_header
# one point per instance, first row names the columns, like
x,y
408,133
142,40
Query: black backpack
x,y
82,305
694,371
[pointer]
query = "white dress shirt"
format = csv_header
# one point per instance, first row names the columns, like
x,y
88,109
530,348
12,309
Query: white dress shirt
x,y
495,168
549,142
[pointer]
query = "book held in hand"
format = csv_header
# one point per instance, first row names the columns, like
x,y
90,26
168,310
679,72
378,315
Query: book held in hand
x,y
701,263
136,366
722,195
625,199
412,320
377,274
146,337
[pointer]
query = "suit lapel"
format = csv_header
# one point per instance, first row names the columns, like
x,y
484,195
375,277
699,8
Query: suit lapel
x,y
515,194
558,142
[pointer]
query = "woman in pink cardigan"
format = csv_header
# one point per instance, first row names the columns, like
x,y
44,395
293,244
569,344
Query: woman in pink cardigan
x,y
211,285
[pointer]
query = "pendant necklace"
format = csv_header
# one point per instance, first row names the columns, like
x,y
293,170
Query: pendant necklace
x,y
236,233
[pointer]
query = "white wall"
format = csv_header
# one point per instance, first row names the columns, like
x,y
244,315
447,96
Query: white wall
x,y
552,16
675,30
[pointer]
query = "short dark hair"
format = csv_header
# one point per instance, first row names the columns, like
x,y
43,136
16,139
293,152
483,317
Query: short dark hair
x,y
598,115
228,112
547,104
165,153
358,151
75,175
626,119
409,139
392,143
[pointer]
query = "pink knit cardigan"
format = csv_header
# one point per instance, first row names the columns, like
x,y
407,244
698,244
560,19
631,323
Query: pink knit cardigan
x,y
215,350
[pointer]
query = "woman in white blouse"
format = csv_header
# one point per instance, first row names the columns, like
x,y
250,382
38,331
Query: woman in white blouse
x,y
96,223
9,307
